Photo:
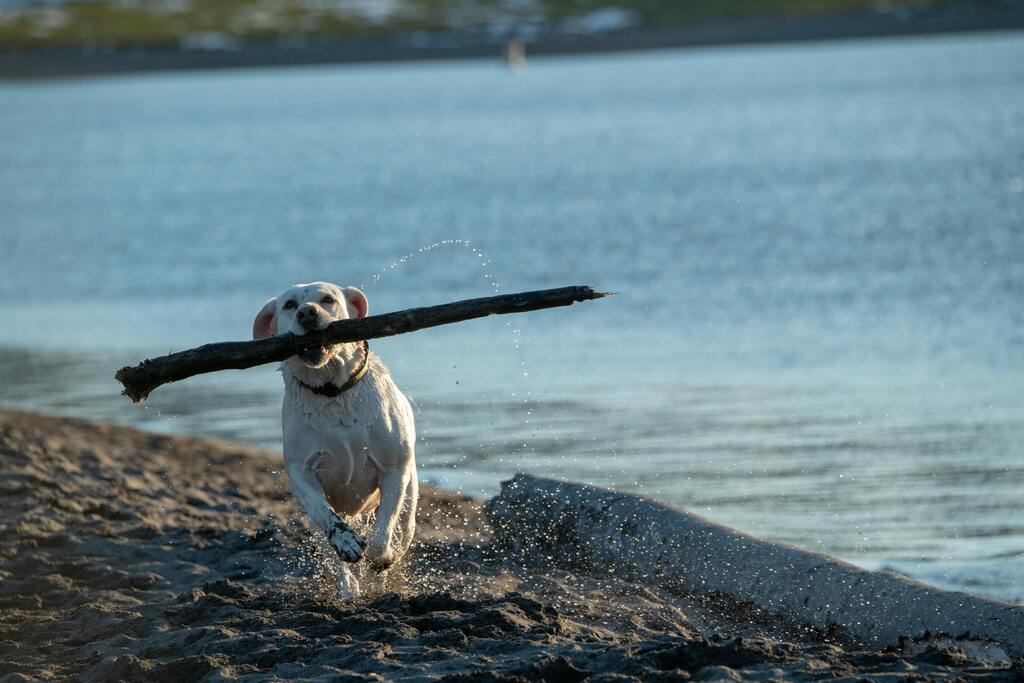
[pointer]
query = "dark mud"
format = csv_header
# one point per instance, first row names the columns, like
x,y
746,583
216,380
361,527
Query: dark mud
x,y
127,556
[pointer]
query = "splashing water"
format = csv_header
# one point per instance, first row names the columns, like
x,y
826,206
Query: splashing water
x,y
494,283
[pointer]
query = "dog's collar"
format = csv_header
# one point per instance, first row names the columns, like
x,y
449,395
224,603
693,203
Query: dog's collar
x,y
331,389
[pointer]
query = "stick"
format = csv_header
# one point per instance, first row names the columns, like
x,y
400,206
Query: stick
x,y
143,378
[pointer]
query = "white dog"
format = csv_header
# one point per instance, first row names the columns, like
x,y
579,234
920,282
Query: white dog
x,y
349,435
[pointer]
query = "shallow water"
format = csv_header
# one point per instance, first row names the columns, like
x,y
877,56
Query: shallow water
x,y
818,249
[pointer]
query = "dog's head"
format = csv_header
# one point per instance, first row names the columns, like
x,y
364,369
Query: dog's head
x,y
304,308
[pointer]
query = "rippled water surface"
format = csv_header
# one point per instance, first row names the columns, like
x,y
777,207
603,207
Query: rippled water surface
x,y
818,249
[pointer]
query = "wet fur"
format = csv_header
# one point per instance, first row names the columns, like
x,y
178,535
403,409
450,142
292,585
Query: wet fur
x,y
350,454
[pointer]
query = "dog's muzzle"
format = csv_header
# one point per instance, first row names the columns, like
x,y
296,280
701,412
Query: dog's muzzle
x,y
308,317
314,356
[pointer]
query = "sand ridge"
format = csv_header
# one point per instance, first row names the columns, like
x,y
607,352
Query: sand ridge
x,y
134,556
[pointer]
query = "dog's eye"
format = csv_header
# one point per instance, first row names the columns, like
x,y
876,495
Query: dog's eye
x,y
289,304
329,300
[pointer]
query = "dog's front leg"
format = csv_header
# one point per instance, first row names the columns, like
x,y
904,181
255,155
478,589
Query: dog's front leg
x,y
381,551
407,515
307,489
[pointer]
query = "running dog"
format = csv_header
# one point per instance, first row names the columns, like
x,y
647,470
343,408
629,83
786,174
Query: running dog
x,y
349,433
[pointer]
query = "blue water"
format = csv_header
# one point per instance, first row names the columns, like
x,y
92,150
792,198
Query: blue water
x,y
818,249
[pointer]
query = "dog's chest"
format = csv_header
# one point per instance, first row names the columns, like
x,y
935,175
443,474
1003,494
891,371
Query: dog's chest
x,y
343,457
343,461
351,412
369,428
328,425
348,427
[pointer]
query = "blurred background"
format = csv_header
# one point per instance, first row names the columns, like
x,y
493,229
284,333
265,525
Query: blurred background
x,y
818,244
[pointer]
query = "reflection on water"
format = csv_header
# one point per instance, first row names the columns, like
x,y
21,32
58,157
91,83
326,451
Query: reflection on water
x,y
871,472
818,248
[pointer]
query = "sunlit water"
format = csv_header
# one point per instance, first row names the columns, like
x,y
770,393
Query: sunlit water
x,y
818,249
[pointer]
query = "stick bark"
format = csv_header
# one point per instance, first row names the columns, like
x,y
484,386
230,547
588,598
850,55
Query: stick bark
x,y
140,380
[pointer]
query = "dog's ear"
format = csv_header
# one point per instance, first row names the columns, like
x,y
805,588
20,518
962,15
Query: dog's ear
x,y
265,324
356,300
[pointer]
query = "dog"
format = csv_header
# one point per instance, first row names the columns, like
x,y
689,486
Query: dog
x,y
349,433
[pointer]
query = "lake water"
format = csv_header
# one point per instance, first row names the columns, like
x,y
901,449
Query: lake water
x,y
818,249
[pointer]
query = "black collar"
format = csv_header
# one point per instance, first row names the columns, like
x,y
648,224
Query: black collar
x,y
331,389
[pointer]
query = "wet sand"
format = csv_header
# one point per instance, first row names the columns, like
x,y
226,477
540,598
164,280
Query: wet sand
x,y
130,556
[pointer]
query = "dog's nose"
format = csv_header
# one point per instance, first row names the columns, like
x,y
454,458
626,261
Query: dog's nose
x,y
308,316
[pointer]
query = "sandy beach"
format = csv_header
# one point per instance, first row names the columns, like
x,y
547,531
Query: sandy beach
x,y
130,556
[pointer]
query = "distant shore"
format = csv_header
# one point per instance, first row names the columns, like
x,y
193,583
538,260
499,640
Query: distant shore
x,y
480,44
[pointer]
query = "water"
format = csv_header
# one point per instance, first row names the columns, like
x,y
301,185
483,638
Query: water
x,y
818,249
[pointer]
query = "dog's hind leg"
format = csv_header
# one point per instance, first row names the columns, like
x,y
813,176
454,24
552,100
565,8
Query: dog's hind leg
x,y
348,584
307,489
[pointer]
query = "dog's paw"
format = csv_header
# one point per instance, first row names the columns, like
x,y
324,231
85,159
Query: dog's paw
x,y
347,543
380,558
381,564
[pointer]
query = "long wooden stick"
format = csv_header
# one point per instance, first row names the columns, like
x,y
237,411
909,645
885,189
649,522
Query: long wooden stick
x,y
143,378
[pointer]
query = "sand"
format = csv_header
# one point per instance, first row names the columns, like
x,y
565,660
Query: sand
x,y
129,556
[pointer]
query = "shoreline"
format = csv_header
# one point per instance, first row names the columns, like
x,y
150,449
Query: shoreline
x,y
138,556
69,62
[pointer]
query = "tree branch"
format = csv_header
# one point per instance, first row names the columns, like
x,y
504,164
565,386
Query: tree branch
x,y
143,378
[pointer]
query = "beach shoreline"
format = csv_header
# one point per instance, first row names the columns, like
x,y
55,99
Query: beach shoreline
x,y
137,556
440,45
